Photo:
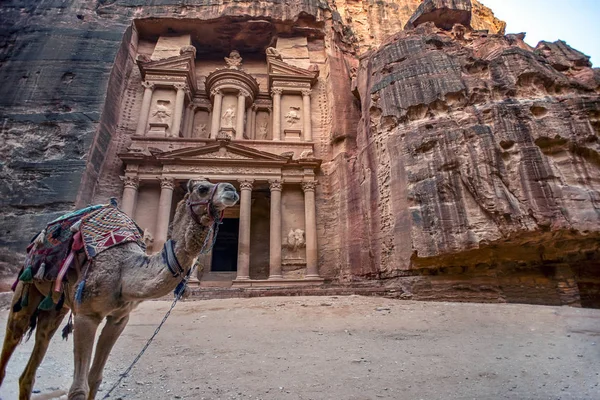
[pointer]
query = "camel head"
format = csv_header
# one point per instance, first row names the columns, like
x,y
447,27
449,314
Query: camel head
x,y
206,198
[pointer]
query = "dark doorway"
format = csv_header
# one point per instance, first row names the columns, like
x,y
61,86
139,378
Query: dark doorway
x,y
225,251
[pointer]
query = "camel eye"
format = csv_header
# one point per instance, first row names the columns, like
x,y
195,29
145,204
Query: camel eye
x,y
203,189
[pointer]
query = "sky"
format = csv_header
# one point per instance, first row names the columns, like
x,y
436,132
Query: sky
x,y
577,22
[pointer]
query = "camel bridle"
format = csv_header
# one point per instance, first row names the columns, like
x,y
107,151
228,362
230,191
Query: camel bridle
x,y
210,208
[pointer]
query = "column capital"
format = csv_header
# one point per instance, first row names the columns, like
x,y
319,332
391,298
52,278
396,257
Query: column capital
x,y
192,107
209,108
180,86
275,184
167,183
246,184
306,92
254,107
244,93
309,186
216,92
131,181
276,91
148,85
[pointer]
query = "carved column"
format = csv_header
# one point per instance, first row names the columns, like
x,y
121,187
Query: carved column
x,y
252,133
216,116
276,93
306,115
130,189
249,122
164,212
310,217
241,111
146,101
275,233
179,100
243,263
188,126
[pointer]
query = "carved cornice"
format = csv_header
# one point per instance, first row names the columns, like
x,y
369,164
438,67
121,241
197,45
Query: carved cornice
x,y
232,80
131,182
246,184
274,185
173,69
309,186
167,183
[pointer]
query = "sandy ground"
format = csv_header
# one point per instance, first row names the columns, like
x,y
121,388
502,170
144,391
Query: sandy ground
x,y
342,348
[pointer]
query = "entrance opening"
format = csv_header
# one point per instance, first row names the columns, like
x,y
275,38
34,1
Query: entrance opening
x,y
225,251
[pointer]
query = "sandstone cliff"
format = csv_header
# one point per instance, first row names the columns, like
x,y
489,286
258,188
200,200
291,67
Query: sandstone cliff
x,y
458,163
475,155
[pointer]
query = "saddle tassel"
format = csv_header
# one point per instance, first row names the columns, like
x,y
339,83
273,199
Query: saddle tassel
x,y
27,275
47,303
41,272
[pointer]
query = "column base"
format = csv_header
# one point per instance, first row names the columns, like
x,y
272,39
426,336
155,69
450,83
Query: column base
x,y
314,277
275,277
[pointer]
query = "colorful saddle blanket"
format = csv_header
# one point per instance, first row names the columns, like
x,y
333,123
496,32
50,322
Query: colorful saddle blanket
x,y
101,227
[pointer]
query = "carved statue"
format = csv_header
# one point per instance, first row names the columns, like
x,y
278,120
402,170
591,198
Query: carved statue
x,y
162,112
292,116
307,154
200,131
273,52
228,118
262,130
234,61
295,239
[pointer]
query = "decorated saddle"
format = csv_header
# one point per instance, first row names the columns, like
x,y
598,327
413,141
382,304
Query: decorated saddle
x,y
92,229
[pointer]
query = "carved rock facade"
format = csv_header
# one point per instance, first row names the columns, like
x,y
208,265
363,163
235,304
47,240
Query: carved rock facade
x,y
452,162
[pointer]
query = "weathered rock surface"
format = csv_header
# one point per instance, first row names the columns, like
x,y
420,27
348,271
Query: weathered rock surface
x,y
488,152
458,164
443,13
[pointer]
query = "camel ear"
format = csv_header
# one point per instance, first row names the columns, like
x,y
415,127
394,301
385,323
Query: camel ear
x,y
190,185
193,182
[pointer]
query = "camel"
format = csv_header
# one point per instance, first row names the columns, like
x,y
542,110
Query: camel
x,y
118,280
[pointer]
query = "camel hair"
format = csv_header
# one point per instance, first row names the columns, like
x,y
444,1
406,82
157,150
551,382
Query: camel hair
x,y
120,278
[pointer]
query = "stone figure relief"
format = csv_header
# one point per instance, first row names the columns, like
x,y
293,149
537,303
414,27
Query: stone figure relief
x,y
234,61
307,154
273,52
295,239
292,116
228,118
200,131
161,112
263,128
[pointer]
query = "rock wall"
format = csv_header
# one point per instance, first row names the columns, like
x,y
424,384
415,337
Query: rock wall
x,y
475,156
458,164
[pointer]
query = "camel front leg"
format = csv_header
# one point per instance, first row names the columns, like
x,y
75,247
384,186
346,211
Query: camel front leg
x,y
84,332
110,333
48,323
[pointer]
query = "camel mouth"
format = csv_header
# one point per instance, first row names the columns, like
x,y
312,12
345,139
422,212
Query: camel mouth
x,y
229,199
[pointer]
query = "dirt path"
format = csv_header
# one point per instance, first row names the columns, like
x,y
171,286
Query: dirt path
x,y
343,348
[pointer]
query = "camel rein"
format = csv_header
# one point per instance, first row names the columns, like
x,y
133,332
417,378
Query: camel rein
x,y
180,289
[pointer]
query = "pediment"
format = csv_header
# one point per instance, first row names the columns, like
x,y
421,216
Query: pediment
x,y
281,69
181,63
221,151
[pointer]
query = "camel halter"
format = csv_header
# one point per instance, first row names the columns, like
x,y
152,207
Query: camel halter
x,y
210,210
